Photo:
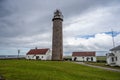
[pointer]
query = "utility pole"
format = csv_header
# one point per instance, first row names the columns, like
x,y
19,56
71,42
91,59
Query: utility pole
x,y
18,53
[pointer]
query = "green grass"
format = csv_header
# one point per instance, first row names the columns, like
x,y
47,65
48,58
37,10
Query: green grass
x,y
52,70
102,58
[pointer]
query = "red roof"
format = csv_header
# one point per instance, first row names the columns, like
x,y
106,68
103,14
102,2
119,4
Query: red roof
x,y
83,54
37,51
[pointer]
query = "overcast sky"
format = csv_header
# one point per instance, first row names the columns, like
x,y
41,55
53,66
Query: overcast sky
x,y
26,24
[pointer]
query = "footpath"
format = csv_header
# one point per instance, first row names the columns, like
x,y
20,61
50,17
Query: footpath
x,y
110,69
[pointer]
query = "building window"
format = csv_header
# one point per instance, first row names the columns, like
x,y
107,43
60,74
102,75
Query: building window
x,y
116,58
87,58
112,59
91,58
75,58
42,57
37,57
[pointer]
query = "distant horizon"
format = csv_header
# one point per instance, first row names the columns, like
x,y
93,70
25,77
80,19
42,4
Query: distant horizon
x,y
98,53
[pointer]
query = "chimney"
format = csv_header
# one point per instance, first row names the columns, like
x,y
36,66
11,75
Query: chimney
x,y
35,47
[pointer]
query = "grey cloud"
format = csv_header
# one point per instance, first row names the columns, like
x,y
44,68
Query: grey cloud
x,y
26,18
21,9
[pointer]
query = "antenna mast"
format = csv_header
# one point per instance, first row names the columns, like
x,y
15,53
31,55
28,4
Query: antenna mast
x,y
113,38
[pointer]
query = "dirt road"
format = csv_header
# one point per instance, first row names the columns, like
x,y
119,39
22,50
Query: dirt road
x,y
110,69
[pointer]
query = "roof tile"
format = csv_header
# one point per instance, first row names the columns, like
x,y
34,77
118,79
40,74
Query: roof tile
x,y
83,54
115,48
37,51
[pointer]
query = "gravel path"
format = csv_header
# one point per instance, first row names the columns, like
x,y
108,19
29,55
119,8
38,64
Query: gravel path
x,y
110,69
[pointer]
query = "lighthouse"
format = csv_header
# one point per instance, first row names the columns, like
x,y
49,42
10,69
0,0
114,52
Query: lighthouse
x,y
57,37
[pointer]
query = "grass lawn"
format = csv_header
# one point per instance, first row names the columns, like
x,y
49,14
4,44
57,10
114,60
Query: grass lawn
x,y
101,58
52,70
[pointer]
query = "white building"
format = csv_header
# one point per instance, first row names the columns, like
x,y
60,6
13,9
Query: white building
x,y
84,56
39,54
113,58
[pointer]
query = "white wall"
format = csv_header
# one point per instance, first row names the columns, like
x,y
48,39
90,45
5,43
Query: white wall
x,y
115,62
109,60
117,54
46,56
30,57
41,57
88,58
49,55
